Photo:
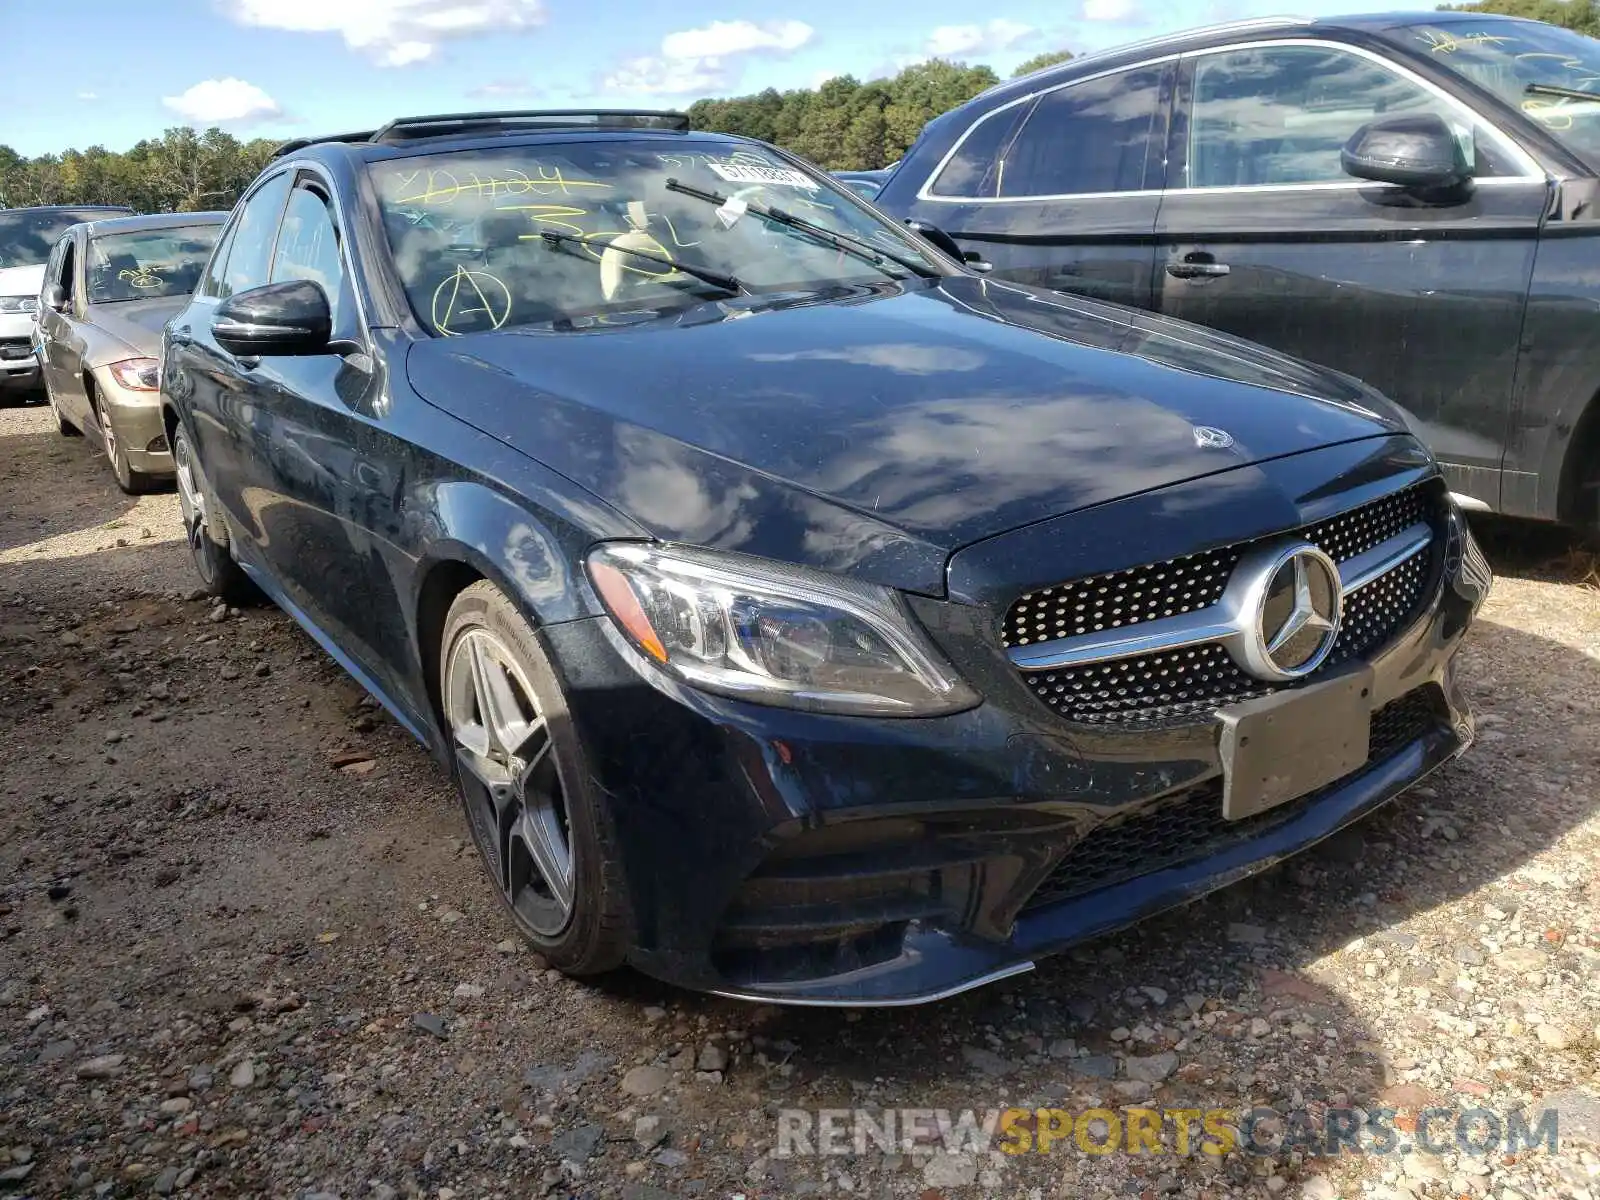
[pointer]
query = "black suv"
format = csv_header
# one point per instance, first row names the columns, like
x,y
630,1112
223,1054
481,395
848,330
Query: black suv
x,y
802,615
1410,199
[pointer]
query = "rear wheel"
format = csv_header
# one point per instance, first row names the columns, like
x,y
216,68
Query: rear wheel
x,y
206,533
524,784
133,482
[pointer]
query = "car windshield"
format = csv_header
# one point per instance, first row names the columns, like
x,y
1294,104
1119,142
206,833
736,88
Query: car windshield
x,y
148,263
1517,60
27,236
573,235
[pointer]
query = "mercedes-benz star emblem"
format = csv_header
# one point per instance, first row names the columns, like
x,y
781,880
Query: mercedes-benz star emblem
x,y
1209,438
1288,603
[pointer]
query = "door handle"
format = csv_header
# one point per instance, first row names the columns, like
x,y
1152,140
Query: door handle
x,y
1199,265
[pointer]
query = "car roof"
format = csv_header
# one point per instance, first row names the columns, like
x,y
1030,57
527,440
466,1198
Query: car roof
x,y
1253,29
153,221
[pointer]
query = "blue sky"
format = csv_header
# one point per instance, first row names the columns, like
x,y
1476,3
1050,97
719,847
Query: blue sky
x,y
291,67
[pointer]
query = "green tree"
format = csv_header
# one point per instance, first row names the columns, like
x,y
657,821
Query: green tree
x,y
1580,15
1040,61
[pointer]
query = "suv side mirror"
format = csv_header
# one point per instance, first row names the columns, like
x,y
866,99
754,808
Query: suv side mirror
x,y
276,318
1418,152
54,297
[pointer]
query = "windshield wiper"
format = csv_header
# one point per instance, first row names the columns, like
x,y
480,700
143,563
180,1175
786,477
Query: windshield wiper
x,y
716,279
845,242
1550,89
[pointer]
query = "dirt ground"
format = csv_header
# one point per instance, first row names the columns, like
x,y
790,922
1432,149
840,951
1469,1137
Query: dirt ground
x,y
246,950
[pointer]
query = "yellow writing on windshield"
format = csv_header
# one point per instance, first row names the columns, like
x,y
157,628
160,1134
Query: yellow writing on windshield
x,y
469,301
141,277
438,187
1441,42
557,216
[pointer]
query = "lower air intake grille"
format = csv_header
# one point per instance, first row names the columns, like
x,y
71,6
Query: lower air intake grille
x,y
1190,826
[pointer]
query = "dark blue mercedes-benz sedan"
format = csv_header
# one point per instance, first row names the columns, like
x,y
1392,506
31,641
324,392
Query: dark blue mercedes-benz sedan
x,y
802,615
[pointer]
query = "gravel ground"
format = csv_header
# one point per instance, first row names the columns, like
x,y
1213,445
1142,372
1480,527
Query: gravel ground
x,y
245,949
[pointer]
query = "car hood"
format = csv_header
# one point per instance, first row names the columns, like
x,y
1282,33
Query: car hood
x,y
132,327
877,433
22,281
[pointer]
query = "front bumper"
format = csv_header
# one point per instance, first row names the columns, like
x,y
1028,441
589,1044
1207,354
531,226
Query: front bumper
x,y
136,418
19,367
807,859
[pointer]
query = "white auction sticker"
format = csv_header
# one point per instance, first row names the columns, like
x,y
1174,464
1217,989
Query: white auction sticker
x,y
744,173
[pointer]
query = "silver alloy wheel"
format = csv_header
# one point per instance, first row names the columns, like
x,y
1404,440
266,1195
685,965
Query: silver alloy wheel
x,y
190,500
513,787
106,432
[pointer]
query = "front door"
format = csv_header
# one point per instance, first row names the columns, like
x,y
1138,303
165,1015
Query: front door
x,y
61,346
1262,234
1061,191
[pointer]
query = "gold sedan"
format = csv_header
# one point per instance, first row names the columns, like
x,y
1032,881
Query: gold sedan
x,y
109,288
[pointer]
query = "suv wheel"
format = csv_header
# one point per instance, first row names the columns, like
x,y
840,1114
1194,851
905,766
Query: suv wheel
x,y
525,786
206,533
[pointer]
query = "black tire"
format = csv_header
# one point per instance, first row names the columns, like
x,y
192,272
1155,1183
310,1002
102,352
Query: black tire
x,y
205,530
598,930
134,483
63,426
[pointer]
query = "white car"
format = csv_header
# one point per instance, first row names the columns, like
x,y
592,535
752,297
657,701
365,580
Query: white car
x,y
26,236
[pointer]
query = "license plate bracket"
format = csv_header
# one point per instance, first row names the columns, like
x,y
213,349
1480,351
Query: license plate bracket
x,y
1278,748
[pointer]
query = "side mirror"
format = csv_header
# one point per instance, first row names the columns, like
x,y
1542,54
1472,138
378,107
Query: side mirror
x,y
948,244
54,297
938,237
277,318
1418,152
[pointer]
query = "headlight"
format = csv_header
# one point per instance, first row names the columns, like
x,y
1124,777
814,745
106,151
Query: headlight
x,y
775,634
137,374
19,304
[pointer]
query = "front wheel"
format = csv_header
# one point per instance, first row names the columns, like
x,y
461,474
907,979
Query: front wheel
x,y
135,483
203,527
525,786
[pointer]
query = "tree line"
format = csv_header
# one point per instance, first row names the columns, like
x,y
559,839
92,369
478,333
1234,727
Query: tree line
x,y
843,124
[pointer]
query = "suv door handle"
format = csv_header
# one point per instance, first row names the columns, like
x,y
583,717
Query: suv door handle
x,y
1198,265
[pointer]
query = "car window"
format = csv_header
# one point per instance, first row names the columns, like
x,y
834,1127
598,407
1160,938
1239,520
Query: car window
x,y
1281,115
250,256
572,235
147,263
27,235
1090,137
308,246
52,268
974,169
1528,64
212,283
69,271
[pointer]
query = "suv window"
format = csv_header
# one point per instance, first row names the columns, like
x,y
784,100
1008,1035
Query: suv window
x,y
1090,137
1281,115
211,284
249,257
308,246
974,170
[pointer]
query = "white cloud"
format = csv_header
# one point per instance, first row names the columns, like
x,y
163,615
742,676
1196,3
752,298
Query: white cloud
x,y
1108,10
88,95
503,89
722,38
222,101
394,33
696,61
947,41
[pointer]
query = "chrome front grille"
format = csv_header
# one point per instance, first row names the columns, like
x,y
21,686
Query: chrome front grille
x,y
1178,682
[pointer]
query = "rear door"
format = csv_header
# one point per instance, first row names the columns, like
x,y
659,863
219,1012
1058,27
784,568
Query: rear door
x,y
1263,235
1061,189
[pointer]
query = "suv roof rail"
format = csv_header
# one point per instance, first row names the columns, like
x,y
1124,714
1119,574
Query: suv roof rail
x,y
478,124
